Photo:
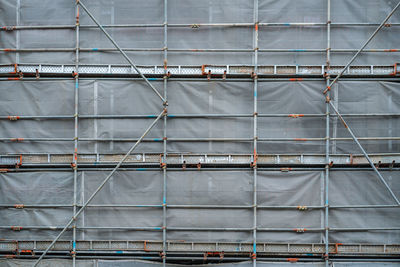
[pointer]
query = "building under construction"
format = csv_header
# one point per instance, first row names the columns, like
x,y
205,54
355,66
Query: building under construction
x,y
237,132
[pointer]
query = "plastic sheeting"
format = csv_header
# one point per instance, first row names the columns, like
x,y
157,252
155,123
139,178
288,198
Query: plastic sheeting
x,y
204,188
101,97
191,12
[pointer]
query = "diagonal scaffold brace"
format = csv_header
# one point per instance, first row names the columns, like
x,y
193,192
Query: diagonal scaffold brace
x,y
163,113
121,51
340,116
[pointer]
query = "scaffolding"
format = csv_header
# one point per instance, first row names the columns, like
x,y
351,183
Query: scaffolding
x,y
254,163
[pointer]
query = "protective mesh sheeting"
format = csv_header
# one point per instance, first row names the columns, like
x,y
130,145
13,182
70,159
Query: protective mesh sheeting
x,y
47,263
100,97
193,12
203,188
35,188
363,188
367,98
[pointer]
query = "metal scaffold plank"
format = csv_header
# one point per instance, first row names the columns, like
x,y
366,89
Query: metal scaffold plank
x,y
199,70
179,246
26,159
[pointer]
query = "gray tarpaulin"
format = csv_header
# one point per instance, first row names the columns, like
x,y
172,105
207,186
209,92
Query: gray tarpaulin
x,y
203,188
119,97
99,97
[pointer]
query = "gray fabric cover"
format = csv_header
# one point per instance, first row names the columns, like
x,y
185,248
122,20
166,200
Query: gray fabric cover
x,y
192,187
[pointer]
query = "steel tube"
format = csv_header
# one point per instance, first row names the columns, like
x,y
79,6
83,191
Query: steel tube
x,y
76,124
182,206
194,116
164,158
207,50
173,139
183,25
225,229
255,132
327,134
273,78
134,168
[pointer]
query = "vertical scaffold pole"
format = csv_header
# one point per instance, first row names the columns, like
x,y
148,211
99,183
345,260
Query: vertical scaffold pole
x,y
327,135
255,45
75,155
164,158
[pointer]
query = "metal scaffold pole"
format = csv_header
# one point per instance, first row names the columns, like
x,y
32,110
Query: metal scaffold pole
x,y
76,138
164,157
255,132
327,134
